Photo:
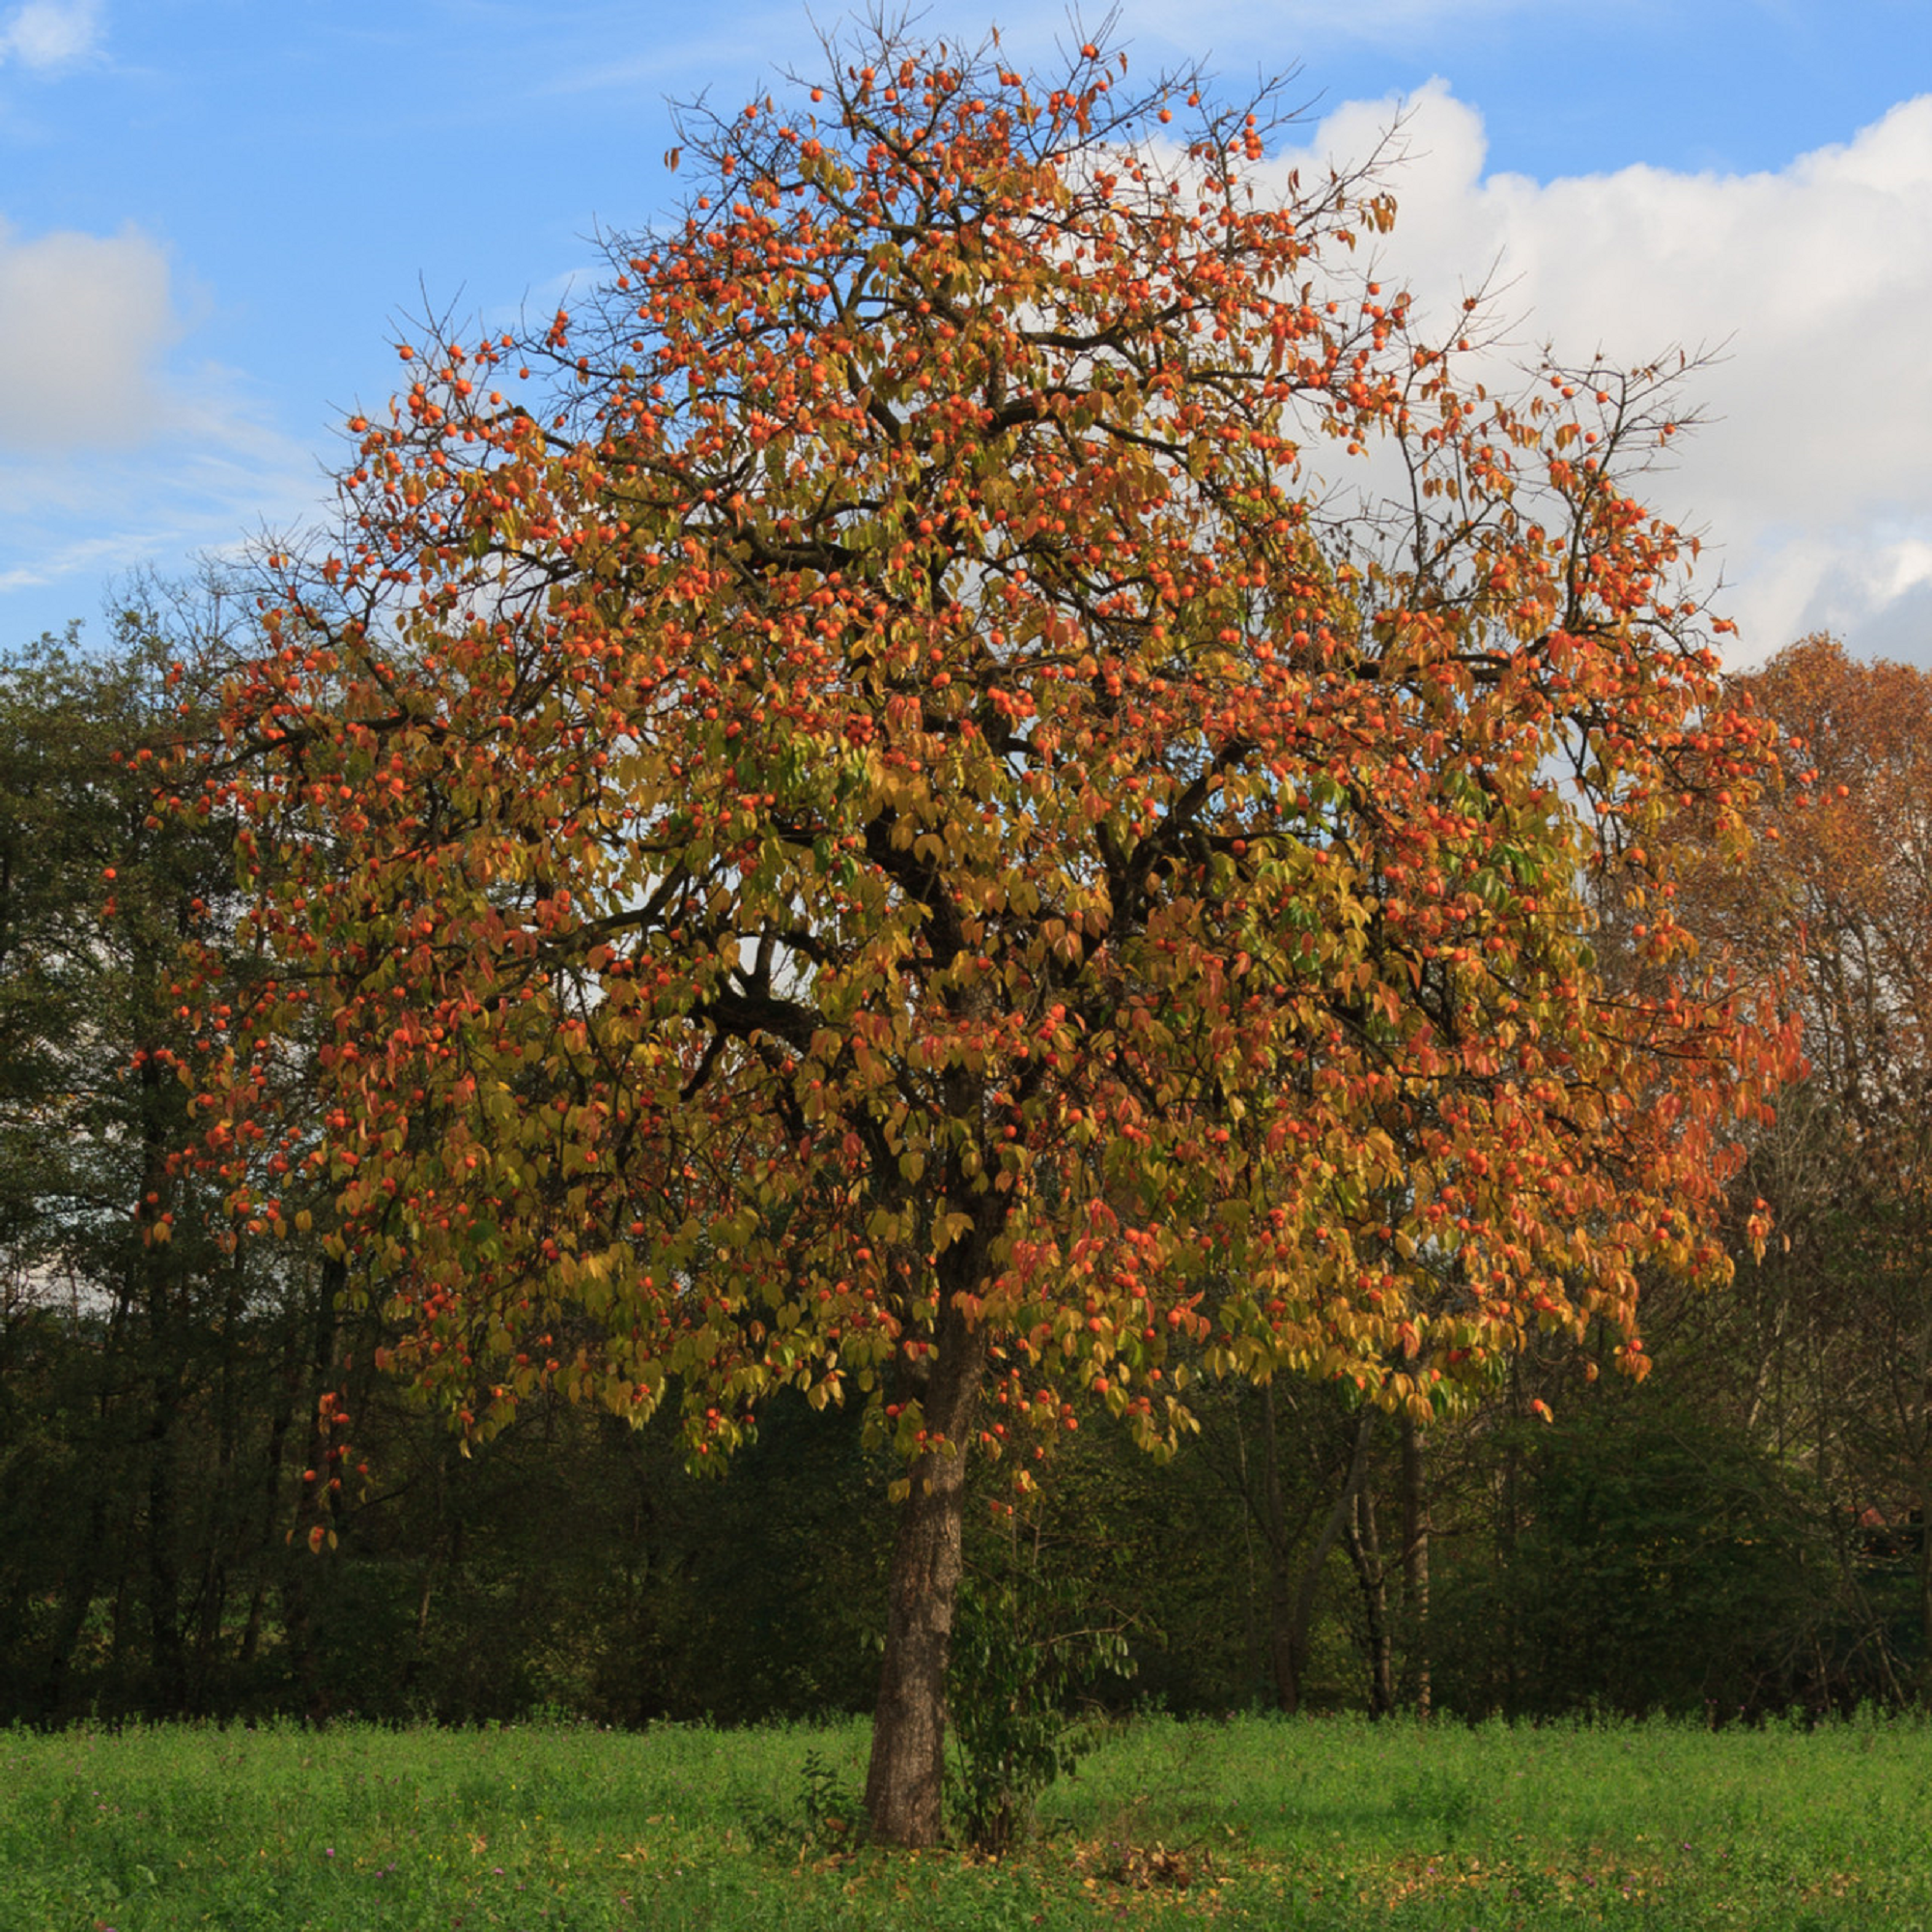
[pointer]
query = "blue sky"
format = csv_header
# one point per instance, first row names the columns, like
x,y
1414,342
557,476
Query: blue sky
x,y
215,216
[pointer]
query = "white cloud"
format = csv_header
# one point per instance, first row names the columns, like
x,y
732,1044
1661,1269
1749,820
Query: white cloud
x,y
83,322
1814,473
50,34
111,453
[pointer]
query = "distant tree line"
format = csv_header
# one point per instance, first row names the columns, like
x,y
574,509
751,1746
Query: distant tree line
x,y
1740,1532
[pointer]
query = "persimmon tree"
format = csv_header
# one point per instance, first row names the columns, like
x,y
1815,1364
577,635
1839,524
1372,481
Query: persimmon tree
x,y
883,833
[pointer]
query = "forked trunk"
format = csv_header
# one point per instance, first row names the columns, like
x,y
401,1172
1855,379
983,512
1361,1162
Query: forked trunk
x,y
1293,1615
905,1781
1365,1552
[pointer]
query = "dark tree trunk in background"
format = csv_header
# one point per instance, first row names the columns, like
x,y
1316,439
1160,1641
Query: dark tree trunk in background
x,y
300,1572
154,1263
1291,1608
1284,1651
1415,1560
78,1593
1920,1523
1365,1552
168,1697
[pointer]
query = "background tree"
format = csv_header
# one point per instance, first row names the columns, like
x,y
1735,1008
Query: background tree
x,y
1835,1326
887,841
128,1363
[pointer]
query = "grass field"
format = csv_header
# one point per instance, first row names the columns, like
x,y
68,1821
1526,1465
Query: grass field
x,y
1320,1822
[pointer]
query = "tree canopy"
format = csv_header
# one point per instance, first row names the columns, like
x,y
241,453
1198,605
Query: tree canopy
x,y
1840,895
919,821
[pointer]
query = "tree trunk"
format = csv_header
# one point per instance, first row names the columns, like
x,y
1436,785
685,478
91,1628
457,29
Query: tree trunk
x,y
1291,1611
905,1781
1365,1552
167,1657
1284,1659
78,1589
87,1574
301,1569
222,1542
1250,1628
1920,1521
1415,1560
156,1269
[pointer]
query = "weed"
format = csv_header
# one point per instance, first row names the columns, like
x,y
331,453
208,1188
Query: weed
x,y
826,1817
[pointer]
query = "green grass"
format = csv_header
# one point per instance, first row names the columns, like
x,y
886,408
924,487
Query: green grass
x,y
1314,1824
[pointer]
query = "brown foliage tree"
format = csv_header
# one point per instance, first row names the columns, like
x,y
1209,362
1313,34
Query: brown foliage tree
x,y
1840,895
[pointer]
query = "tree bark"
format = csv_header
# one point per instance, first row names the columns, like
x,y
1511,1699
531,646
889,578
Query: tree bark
x,y
1415,1560
167,1656
155,1267
1365,1552
78,1589
1920,1521
299,1569
1291,1611
1284,1657
904,1783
